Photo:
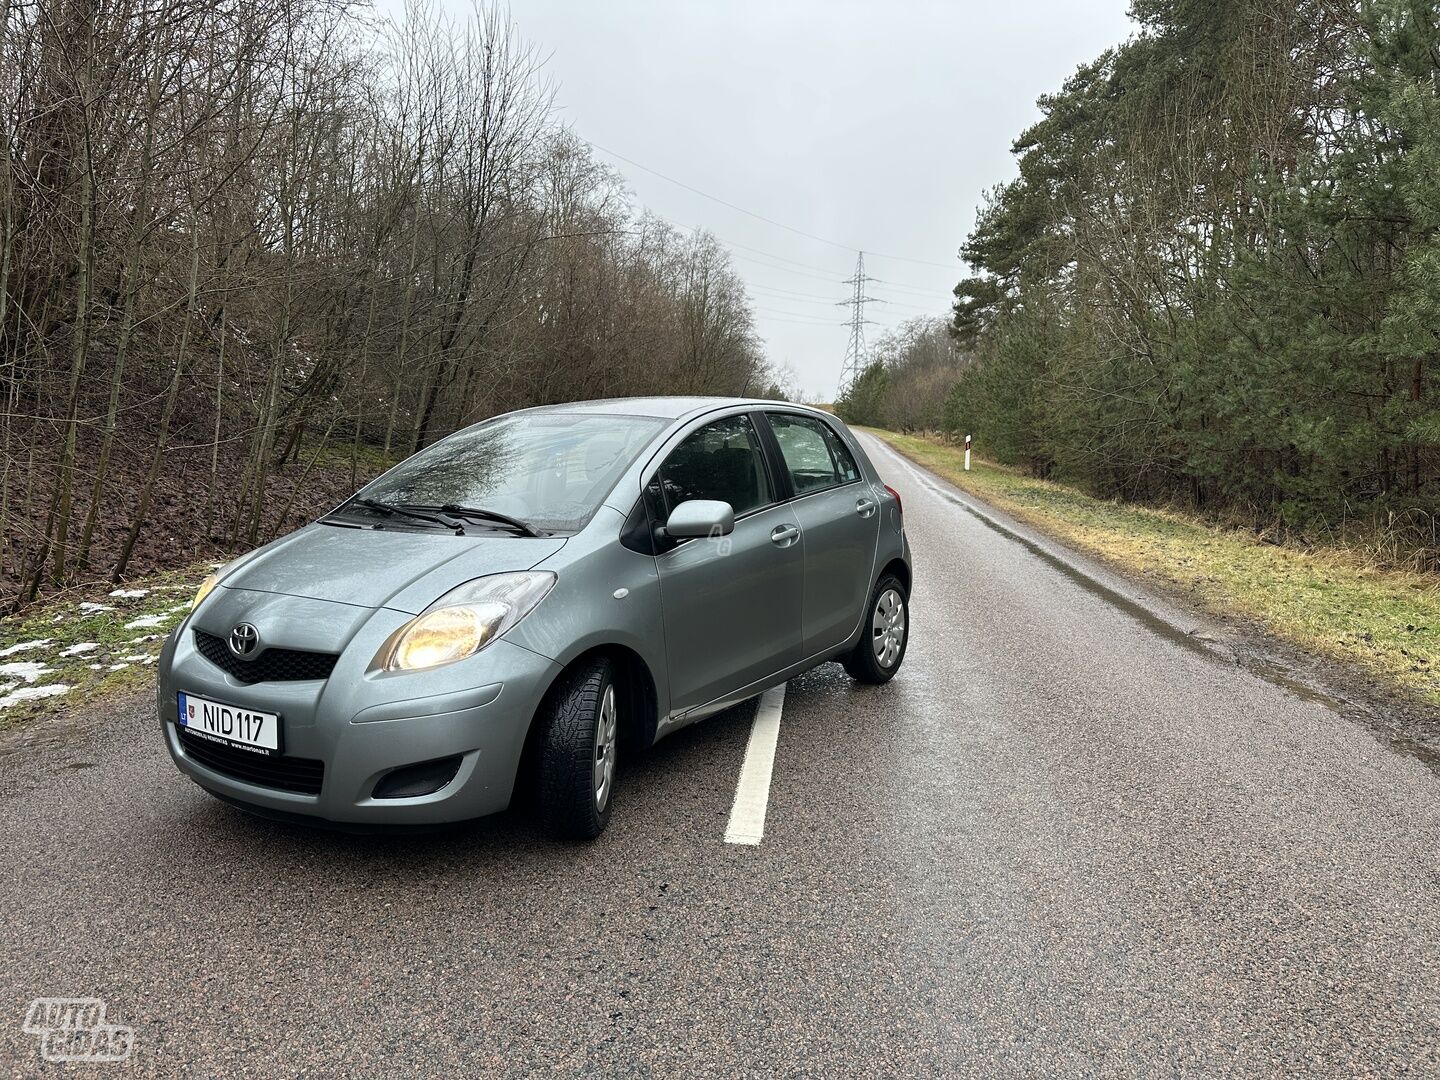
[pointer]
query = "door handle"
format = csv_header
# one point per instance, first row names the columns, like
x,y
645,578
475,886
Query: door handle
x,y
865,507
784,535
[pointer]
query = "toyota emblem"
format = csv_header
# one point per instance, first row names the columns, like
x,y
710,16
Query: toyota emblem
x,y
244,640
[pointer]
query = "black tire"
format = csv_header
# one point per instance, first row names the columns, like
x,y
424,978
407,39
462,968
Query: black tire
x,y
570,802
863,663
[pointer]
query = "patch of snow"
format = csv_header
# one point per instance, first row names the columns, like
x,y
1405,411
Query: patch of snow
x,y
143,638
140,658
130,594
26,646
147,622
80,648
90,608
175,588
96,667
177,607
26,670
33,693
118,667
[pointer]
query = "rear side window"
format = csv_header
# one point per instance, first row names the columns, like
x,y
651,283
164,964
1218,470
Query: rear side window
x,y
845,466
719,461
814,455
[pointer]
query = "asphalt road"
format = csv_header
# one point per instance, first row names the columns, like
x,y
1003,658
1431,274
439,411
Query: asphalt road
x,y
1071,838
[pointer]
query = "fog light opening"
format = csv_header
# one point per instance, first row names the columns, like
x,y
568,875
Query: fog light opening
x,y
412,781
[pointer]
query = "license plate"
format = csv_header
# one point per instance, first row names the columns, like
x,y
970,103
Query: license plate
x,y
230,725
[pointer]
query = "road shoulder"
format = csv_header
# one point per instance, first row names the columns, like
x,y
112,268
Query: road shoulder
x,y
1196,603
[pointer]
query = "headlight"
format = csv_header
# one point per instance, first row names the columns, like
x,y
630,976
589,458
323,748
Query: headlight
x,y
208,585
205,589
464,621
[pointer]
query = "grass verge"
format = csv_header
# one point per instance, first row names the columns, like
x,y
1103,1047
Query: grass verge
x,y
1325,601
89,641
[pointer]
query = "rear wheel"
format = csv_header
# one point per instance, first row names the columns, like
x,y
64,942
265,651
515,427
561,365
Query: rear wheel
x,y
881,648
577,759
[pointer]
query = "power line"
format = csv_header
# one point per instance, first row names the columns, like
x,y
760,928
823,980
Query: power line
x,y
786,270
914,290
855,356
910,288
827,271
927,308
798,322
760,217
800,299
823,275
790,298
792,292
819,321
830,275
781,258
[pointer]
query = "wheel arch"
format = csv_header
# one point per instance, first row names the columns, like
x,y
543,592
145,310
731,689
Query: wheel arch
x,y
640,712
900,569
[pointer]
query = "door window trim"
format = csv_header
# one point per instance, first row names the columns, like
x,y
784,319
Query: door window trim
x,y
772,448
778,495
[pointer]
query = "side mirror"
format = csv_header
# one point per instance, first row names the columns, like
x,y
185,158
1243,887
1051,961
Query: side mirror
x,y
700,517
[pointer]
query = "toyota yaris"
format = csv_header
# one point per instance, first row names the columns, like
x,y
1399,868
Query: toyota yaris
x,y
529,597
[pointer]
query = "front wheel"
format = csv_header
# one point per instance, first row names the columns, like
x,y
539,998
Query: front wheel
x,y
881,648
577,760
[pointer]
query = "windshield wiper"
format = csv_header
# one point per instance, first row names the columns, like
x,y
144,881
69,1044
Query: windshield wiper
x,y
524,528
389,509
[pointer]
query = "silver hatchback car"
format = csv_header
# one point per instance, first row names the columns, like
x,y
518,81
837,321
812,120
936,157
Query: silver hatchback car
x,y
525,598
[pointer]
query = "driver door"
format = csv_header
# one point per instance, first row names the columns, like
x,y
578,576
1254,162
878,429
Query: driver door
x,y
732,604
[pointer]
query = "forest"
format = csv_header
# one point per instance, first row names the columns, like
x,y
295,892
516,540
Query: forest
x,y
1215,282
252,252
911,372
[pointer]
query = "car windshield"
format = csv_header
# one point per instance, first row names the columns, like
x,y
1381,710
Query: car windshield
x,y
548,469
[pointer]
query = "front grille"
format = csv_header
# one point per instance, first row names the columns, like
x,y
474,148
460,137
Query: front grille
x,y
303,775
271,665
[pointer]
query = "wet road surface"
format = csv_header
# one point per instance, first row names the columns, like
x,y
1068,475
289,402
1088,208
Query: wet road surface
x,y
1070,838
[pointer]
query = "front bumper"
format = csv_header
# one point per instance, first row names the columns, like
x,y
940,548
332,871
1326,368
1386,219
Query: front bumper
x,y
362,724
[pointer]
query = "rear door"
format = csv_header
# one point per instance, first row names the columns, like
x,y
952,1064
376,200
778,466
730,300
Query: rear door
x,y
839,520
732,604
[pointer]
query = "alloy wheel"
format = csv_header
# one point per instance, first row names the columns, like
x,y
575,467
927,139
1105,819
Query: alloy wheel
x,y
605,727
887,627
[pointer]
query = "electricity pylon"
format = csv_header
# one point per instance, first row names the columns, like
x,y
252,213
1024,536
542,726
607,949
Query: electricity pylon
x,y
856,359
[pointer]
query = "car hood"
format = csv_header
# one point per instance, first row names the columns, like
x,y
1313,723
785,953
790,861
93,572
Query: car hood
x,y
372,568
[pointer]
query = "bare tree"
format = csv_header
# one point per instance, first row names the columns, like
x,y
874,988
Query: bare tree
x,y
232,232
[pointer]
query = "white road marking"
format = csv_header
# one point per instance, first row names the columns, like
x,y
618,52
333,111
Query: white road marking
x,y
752,793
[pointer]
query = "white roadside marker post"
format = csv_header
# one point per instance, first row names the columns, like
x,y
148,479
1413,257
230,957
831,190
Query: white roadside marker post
x,y
967,453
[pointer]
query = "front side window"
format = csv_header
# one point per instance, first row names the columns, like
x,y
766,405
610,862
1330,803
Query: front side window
x,y
720,461
814,456
549,469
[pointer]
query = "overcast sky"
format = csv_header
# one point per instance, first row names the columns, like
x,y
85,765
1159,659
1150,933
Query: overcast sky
x,y
874,125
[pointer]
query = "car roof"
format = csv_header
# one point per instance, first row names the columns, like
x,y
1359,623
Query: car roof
x,y
668,408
